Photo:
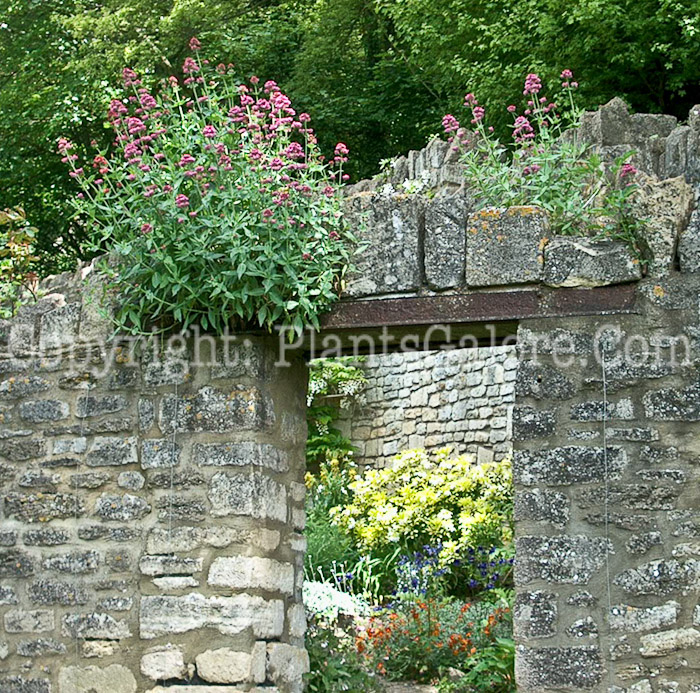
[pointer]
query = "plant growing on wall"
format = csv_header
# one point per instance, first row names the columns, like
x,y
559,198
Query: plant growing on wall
x,y
17,276
215,204
547,165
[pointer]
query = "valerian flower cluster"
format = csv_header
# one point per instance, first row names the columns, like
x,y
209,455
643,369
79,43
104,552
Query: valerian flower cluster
x,y
216,204
547,165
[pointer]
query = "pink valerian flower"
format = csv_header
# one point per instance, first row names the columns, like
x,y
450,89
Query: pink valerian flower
x,y
130,77
478,113
304,117
254,80
450,123
182,201
341,149
209,131
522,130
116,109
195,45
270,86
132,150
333,235
470,100
135,125
511,109
64,146
294,151
185,160
148,103
190,66
533,84
566,74
628,170
77,173
145,228
529,170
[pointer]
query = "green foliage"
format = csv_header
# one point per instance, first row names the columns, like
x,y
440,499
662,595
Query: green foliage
x,y
421,501
335,664
492,671
335,385
17,259
548,166
217,208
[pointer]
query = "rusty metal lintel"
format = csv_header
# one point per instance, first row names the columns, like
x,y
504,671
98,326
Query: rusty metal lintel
x,y
484,307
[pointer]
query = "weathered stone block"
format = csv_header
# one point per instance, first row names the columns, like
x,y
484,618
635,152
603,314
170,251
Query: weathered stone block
x,y
668,642
90,480
444,244
286,663
535,615
597,410
15,564
689,245
165,615
96,625
660,577
665,206
632,496
77,562
50,592
8,596
121,508
673,404
169,565
240,455
542,506
529,423
543,382
581,262
564,559
224,665
165,662
554,667
94,405
112,452
20,684
243,572
43,410
59,327
250,494
24,386
641,543
215,410
39,479
505,246
568,465
42,647
390,225
132,481
43,507
112,679
36,621
632,619
20,450
159,453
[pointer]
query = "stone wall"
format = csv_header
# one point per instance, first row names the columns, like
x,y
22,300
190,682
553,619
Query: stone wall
x,y
460,398
606,433
152,509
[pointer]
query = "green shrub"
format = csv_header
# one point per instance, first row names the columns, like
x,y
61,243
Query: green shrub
x,y
419,501
17,258
216,204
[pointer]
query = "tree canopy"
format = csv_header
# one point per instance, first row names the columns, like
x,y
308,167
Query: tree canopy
x,y
376,74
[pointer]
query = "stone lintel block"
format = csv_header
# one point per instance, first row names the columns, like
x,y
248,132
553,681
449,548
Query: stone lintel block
x,y
572,261
444,244
92,679
390,225
505,246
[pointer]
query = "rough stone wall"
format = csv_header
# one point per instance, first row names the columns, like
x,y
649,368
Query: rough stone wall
x,y
606,431
460,398
152,512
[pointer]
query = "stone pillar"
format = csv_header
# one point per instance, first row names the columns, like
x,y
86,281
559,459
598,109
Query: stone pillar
x,y
152,510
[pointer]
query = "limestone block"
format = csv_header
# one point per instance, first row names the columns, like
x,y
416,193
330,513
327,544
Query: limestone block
x,y
240,455
445,240
558,667
165,662
224,665
634,619
668,642
243,572
286,663
504,246
252,494
92,679
390,226
164,615
689,244
665,207
571,261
